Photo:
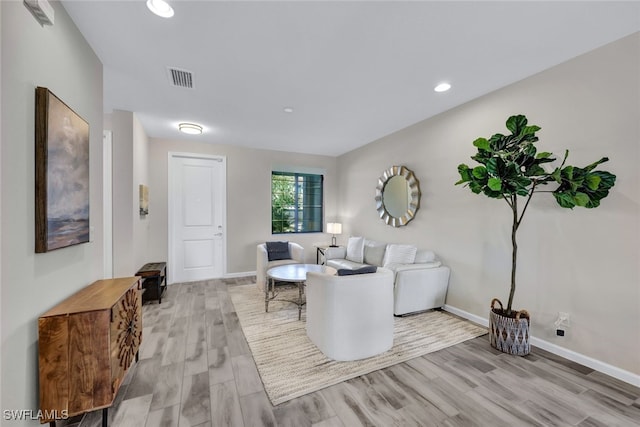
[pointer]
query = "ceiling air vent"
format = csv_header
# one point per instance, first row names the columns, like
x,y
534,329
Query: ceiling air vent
x,y
180,78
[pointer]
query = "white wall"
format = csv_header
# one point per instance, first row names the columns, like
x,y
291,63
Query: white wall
x,y
130,159
122,143
584,262
140,176
248,198
57,58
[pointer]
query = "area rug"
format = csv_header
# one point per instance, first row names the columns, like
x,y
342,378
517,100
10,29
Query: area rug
x,y
291,366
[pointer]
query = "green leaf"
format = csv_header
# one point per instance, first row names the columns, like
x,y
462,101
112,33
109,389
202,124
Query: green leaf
x,y
544,155
593,181
581,199
495,184
497,142
530,130
496,166
534,170
480,172
511,171
492,166
481,143
475,187
522,182
516,123
607,180
491,193
530,150
593,203
593,165
564,199
465,174
567,172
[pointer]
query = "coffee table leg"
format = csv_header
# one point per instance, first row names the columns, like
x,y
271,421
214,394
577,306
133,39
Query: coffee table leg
x,y
300,285
266,295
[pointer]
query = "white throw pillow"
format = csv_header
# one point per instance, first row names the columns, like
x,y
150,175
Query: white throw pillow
x,y
355,249
374,252
424,256
399,254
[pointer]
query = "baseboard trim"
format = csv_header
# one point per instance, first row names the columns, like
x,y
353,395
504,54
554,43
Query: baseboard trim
x,y
241,274
605,368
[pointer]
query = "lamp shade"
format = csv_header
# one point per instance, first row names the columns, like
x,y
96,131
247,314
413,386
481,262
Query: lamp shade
x,y
334,228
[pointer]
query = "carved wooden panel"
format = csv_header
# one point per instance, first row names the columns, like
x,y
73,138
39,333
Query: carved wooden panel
x,y
126,334
86,345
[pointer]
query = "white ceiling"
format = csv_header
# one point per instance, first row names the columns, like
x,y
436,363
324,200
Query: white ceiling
x,y
353,71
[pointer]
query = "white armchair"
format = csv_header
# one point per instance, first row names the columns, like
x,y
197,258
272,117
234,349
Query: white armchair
x,y
350,317
263,264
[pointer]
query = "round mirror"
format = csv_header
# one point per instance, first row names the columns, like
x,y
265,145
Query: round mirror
x,y
397,196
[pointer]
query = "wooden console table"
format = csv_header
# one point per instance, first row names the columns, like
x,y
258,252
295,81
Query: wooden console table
x,y
86,344
154,279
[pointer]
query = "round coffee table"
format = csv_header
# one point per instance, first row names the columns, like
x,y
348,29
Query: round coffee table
x,y
292,273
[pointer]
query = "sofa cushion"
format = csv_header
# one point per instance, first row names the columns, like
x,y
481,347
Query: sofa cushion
x,y
423,256
363,270
396,267
355,249
399,254
277,251
374,252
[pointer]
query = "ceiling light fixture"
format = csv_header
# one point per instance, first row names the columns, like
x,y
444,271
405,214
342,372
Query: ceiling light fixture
x,y
442,87
190,128
288,109
160,8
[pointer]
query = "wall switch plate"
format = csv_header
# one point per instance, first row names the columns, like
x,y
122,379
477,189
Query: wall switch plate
x,y
563,319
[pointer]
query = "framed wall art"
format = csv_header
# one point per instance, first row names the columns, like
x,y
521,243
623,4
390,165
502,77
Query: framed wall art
x,y
62,174
144,200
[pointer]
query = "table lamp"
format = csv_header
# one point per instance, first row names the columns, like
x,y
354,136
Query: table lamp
x,y
334,228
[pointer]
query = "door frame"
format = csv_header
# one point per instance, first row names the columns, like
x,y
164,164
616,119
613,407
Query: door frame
x,y
170,201
107,202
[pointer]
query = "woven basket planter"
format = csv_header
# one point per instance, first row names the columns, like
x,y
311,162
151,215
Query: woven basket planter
x,y
509,334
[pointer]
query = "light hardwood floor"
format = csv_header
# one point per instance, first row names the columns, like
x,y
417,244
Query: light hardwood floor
x,y
195,369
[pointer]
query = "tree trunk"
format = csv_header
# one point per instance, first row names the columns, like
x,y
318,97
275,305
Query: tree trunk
x,y
514,253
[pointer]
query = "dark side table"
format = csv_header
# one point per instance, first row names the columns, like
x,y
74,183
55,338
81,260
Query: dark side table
x,y
153,280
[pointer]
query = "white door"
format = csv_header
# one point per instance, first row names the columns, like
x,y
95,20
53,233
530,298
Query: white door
x,y
197,206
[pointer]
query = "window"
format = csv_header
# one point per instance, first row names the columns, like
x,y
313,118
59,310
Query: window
x,y
296,202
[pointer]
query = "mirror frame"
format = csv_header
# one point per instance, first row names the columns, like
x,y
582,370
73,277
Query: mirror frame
x,y
414,191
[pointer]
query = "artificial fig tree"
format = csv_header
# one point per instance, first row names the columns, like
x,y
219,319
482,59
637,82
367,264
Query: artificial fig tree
x,y
510,167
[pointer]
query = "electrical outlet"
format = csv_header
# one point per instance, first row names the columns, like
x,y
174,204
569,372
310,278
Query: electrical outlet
x,y
560,332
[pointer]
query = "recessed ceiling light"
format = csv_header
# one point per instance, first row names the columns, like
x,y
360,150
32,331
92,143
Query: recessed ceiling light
x,y
442,87
160,8
190,128
288,109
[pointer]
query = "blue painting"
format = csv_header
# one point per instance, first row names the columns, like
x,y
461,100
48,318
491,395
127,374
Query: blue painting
x,y
67,176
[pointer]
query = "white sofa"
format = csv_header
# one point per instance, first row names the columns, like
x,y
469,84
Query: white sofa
x,y
419,285
350,317
263,264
